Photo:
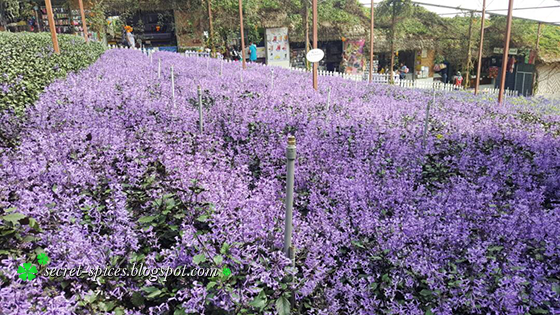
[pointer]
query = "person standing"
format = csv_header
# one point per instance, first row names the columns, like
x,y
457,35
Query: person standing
x,y
124,41
403,71
252,52
130,37
458,80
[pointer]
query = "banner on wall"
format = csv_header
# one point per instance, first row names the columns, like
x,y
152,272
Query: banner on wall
x,y
353,56
277,47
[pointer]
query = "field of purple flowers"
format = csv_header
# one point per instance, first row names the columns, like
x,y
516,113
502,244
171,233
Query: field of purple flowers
x,y
107,171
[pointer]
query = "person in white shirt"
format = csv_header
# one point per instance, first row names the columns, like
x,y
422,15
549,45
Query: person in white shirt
x,y
130,38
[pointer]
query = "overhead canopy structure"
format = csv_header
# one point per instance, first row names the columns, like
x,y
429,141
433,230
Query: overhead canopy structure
x,y
544,11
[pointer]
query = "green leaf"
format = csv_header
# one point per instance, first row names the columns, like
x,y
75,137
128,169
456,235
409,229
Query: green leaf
x,y
137,299
152,292
202,218
385,278
34,225
425,293
218,259
495,248
146,219
107,306
179,311
13,217
90,297
259,302
210,285
225,248
199,258
283,306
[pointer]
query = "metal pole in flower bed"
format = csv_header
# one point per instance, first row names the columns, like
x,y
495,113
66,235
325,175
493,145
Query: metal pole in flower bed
x,y
288,227
173,86
328,98
428,118
199,90
271,78
159,69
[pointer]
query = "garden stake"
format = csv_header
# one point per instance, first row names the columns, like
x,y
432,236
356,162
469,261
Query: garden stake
x,y
288,247
200,109
427,118
159,69
173,87
221,66
271,78
291,156
328,98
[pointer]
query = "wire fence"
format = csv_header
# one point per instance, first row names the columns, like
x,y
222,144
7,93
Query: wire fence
x,y
378,78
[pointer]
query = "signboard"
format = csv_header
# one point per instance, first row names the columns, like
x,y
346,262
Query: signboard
x,y
277,47
315,55
512,51
353,57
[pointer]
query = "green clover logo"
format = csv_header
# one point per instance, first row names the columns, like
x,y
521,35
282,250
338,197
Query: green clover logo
x,y
27,272
226,271
43,259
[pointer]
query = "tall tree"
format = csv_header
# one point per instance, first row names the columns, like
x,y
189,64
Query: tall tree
x,y
397,10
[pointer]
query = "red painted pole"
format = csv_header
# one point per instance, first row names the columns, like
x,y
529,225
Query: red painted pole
x,y
477,83
315,64
506,51
371,44
242,35
52,26
83,20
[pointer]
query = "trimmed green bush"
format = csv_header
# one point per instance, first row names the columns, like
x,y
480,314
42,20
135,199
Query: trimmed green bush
x,y
28,64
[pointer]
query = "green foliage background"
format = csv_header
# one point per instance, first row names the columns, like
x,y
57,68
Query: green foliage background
x,y
28,64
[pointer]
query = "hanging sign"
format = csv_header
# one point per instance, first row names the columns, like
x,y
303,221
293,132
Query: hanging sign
x,y
512,51
315,55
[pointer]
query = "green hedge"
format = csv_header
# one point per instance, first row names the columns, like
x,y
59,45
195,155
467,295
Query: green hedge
x,y
28,64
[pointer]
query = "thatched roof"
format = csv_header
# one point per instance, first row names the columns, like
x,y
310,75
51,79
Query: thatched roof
x,y
549,59
327,32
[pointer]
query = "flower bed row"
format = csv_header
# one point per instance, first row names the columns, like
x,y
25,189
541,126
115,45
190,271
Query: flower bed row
x,y
109,172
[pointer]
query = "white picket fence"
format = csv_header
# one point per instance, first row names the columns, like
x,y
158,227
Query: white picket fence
x,y
376,78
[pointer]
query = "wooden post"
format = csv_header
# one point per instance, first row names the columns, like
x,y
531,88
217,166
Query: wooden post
x,y
469,53
506,51
480,48
242,35
393,23
306,18
315,64
371,44
83,20
211,26
52,26
539,31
